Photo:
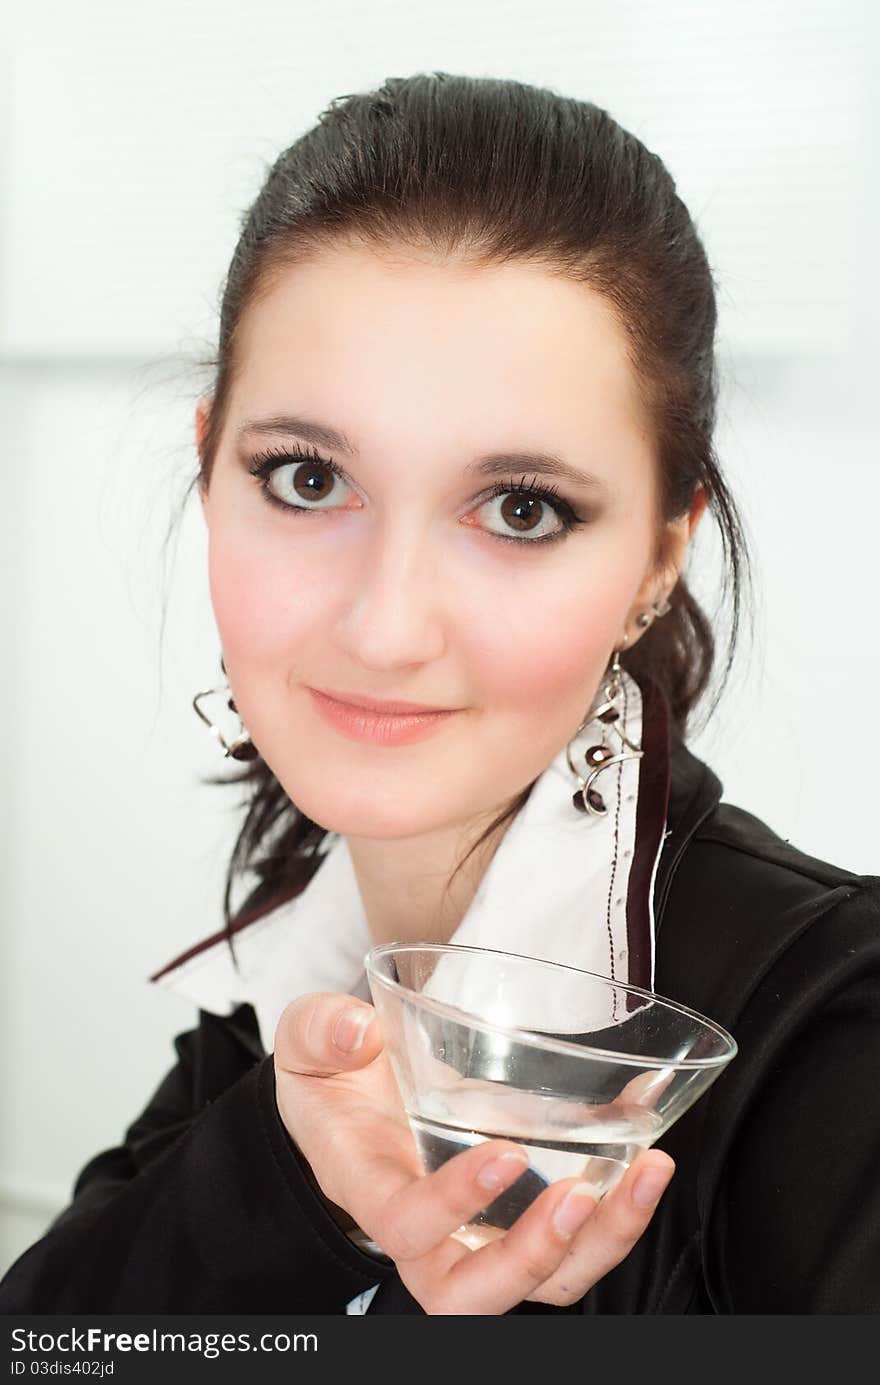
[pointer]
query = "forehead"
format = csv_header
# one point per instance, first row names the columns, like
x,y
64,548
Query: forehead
x,y
417,345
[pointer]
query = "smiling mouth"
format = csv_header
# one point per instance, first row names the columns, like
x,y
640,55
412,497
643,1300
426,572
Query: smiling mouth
x,y
380,727
380,707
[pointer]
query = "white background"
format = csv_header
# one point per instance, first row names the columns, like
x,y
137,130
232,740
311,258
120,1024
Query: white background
x,y
131,143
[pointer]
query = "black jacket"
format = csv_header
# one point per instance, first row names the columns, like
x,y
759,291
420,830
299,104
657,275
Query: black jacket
x,y
206,1205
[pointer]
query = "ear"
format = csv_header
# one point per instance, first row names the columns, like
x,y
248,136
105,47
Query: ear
x,y
203,420
680,532
659,582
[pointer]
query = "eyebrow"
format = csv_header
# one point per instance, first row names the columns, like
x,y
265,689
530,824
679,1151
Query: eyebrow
x,y
487,464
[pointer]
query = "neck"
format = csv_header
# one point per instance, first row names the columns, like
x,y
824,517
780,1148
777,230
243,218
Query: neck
x,y
406,884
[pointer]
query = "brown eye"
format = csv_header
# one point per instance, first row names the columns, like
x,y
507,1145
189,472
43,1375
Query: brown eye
x,y
539,517
300,483
288,478
310,482
521,512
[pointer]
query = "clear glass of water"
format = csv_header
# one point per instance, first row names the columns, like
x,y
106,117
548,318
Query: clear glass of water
x,y
580,1070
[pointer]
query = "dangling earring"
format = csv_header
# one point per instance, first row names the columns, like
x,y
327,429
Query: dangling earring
x,y
242,748
600,757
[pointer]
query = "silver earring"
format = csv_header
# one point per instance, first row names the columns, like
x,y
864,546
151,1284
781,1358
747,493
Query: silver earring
x,y
660,608
599,757
242,748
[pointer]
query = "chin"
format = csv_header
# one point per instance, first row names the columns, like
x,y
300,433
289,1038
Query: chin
x,y
355,811
371,827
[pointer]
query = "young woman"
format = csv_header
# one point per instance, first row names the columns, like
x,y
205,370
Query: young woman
x,y
459,439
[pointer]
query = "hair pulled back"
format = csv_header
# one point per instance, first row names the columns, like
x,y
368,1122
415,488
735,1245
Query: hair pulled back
x,y
495,171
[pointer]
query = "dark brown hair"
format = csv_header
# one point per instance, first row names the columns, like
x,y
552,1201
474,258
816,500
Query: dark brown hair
x,y
500,171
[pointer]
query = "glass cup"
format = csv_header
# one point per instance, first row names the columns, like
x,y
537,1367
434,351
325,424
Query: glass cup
x,y
580,1070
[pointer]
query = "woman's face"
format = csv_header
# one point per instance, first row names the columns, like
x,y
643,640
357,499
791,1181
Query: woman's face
x,y
399,577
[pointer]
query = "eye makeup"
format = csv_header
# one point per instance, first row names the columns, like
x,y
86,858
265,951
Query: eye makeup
x,y
264,464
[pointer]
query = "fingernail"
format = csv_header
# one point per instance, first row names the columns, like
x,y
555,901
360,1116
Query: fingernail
x,y
574,1209
349,1030
648,1187
496,1173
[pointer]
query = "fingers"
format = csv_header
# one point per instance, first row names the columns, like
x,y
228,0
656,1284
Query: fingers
x,y
503,1272
555,1251
322,1034
646,1088
611,1232
421,1214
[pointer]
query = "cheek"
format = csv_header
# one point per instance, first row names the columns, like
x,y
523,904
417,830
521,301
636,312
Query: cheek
x,y
546,649
264,603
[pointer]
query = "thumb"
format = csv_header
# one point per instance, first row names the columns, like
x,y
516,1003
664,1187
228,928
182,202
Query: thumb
x,y
318,1035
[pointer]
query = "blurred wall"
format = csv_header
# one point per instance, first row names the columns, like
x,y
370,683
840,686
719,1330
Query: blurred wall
x,y
130,144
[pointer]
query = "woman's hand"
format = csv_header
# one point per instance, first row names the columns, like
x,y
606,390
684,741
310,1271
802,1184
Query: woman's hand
x,y
338,1100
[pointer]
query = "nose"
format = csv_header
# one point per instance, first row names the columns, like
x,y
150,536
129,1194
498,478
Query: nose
x,y
392,616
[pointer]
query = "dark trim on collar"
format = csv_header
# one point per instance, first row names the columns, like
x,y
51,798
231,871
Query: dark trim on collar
x,y
651,810
694,792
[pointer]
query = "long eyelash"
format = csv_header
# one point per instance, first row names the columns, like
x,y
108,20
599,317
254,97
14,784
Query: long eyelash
x,y
268,461
537,490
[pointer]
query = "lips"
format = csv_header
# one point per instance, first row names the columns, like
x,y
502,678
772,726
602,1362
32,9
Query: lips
x,y
385,708
382,728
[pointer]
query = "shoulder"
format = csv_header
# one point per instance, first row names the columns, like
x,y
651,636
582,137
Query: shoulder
x,y
747,910
784,949
725,862
731,829
737,859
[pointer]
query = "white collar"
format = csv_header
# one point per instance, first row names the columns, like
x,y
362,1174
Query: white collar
x,y
563,885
